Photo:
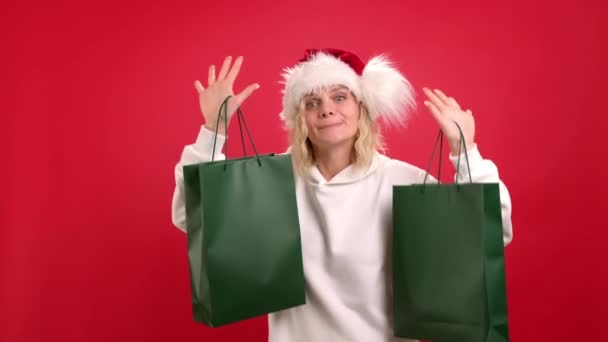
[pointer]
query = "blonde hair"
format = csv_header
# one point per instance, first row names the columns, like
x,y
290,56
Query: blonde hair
x,y
368,139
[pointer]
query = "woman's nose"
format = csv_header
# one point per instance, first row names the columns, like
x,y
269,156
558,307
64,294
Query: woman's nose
x,y
327,111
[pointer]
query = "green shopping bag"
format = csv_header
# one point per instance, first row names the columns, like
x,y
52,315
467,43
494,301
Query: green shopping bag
x,y
448,262
243,231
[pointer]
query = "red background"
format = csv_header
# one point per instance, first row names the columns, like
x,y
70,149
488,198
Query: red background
x,y
97,104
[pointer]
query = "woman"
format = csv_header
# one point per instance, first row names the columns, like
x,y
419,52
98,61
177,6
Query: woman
x,y
331,106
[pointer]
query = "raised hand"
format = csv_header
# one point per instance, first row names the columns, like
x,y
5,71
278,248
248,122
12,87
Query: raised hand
x,y
218,89
446,111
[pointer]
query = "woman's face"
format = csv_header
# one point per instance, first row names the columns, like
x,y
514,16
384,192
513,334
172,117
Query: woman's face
x,y
332,116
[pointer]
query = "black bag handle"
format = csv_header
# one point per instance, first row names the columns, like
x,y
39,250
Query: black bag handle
x,y
437,141
240,118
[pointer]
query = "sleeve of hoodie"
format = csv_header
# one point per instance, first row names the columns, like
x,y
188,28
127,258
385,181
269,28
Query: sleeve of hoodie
x,y
485,171
199,152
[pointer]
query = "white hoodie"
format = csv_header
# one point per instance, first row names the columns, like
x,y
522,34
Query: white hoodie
x,y
345,226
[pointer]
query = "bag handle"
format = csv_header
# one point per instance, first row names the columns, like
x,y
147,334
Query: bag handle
x,y
437,141
240,118
466,155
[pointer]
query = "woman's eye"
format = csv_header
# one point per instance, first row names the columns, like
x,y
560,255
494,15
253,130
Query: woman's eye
x,y
340,98
311,105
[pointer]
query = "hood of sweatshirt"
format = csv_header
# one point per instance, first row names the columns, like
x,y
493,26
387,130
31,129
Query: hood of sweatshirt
x,y
350,174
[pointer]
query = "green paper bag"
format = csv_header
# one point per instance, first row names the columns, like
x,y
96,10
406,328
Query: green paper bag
x,y
448,262
243,231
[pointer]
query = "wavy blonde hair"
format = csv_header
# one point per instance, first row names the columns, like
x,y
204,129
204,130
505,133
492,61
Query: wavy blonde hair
x,y
368,139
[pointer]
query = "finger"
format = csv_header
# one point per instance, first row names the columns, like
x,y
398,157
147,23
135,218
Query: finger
x,y
469,112
198,86
211,78
435,111
242,96
445,99
434,99
236,67
454,103
225,68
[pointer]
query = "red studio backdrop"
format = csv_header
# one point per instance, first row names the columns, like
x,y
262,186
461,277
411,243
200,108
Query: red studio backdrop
x,y
98,102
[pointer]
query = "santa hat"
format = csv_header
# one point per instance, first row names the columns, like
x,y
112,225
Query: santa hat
x,y
384,91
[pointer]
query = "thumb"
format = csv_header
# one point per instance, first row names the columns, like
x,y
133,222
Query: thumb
x,y
243,95
199,87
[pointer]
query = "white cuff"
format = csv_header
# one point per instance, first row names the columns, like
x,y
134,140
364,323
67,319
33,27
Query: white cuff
x,y
474,159
205,139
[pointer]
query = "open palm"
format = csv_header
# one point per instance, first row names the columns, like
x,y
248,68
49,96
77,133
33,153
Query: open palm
x,y
446,112
218,89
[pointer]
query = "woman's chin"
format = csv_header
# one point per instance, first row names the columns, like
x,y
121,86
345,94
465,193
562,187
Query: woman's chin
x,y
328,140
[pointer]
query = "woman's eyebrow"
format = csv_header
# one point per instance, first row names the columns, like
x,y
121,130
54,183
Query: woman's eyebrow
x,y
336,88
330,90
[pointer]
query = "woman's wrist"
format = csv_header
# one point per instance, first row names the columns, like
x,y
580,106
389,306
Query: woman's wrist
x,y
212,126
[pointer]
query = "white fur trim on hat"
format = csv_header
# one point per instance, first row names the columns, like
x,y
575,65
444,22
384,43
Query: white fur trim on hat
x,y
385,92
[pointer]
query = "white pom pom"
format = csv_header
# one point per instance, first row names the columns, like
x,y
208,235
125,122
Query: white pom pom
x,y
386,92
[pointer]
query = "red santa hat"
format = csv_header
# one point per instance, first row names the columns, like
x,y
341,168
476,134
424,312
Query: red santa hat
x,y
384,91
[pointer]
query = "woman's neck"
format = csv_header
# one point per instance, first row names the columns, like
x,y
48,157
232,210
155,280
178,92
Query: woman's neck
x,y
332,160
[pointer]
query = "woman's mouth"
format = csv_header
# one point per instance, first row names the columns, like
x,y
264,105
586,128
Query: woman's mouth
x,y
330,125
